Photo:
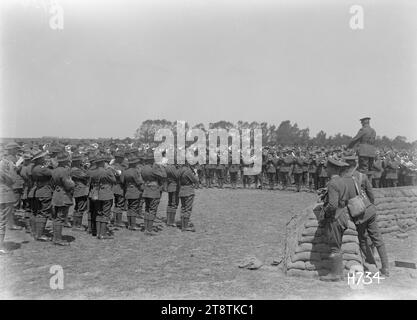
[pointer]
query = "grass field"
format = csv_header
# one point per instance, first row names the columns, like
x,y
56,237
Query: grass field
x,y
230,224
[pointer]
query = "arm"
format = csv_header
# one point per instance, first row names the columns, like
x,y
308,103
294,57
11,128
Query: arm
x,y
332,202
356,138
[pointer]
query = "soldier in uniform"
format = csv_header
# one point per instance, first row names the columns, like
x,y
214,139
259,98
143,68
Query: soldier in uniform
x,y
131,180
81,180
172,189
41,177
285,168
119,200
63,188
336,217
377,170
13,149
322,172
312,173
101,197
366,223
220,172
298,170
233,172
26,174
391,166
7,199
187,180
270,167
153,176
366,149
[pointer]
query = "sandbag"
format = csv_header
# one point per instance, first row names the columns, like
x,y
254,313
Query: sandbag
x,y
311,239
350,247
347,238
390,229
296,265
351,232
302,273
349,256
304,247
311,223
312,232
305,256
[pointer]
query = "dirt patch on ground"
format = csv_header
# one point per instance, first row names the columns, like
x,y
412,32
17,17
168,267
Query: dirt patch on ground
x,y
230,224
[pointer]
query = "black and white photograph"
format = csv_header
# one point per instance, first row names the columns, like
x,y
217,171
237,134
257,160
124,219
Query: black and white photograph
x,y
208,154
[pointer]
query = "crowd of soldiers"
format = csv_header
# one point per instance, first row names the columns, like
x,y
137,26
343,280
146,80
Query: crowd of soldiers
x,y
44,184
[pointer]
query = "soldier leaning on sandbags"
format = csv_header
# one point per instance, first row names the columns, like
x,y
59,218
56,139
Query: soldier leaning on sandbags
x,y
366,223
336,217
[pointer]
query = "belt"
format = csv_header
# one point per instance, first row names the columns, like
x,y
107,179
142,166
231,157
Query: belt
x,y
40,184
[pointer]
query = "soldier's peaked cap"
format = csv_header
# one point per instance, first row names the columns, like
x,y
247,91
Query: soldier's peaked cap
x,y
364,119
336,162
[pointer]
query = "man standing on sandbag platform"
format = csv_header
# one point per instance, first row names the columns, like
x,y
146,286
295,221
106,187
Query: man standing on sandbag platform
x,y
187,180
366,222
366,149
336,217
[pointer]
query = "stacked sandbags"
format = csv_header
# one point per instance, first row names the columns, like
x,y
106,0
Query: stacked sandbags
x,y
307,251
396,209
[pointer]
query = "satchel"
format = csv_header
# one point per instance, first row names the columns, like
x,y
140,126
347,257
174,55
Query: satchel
x,y
356,205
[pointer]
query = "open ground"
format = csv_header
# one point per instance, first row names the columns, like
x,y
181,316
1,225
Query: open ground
x,y
230,224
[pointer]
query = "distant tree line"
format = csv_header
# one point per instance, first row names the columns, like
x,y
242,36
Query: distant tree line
x,y
286,134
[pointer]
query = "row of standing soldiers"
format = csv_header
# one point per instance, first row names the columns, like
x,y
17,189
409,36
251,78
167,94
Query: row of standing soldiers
x,y
53,182
302,169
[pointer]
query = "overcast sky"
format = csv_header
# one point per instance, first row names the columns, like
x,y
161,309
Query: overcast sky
x,y
119,63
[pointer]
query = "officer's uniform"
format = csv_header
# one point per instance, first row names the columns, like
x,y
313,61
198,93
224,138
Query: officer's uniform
x,y
366,223
81,180
131,180
366,149
101,197
377,170
26,174
391,172
285,169
270,168
63,188
312,174
336,220
233,172
322,174
186,193
7,198
298,171
119,200
41,176
153,177
172,189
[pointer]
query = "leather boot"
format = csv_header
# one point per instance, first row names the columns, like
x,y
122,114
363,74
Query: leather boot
x,y
119,220
32,221
132,223
98,229
27,225
171,218
77,223
185,225
103,235
384,260
57,232
40,228
149,227
67,223
336,272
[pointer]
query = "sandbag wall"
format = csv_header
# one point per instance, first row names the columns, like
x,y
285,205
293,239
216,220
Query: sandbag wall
x,y
397,209
306,250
